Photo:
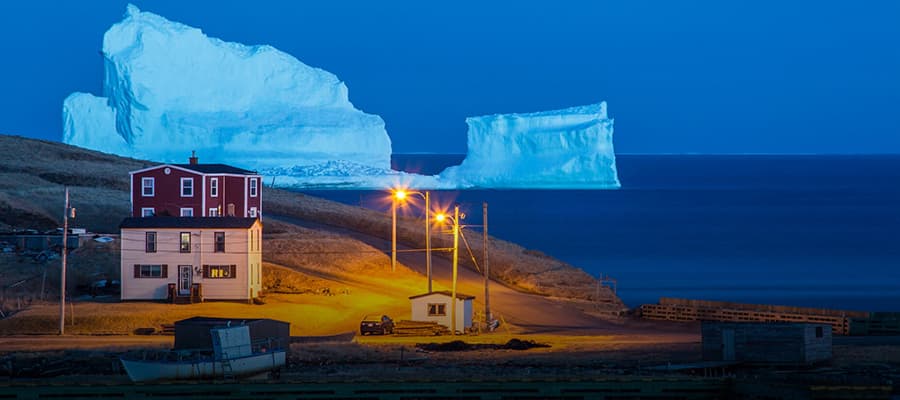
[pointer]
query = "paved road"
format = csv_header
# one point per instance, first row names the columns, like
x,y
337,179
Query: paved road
x,y
532,313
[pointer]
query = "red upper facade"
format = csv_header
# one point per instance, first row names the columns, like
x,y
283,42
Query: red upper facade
x,y
196,190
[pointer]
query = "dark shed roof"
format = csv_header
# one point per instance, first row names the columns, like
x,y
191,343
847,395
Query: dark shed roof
x,y
215,169
187,222
445,293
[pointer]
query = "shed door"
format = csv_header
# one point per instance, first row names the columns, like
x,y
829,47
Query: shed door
x,y
185,276
727,344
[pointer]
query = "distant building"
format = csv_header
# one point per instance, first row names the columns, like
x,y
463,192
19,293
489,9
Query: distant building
x,y
196,190
766,343
435,307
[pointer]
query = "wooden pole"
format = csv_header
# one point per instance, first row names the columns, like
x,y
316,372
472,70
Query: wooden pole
x,y
487,273
393,233
428,239
455,265
62,283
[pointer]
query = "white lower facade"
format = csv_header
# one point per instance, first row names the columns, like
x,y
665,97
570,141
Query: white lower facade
x,y
232,274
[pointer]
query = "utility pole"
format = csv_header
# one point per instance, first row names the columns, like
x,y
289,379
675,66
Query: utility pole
x,y
393,234
456,228
428,238
62,284
487,274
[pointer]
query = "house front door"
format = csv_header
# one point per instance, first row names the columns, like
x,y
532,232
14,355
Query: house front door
x,y
185,278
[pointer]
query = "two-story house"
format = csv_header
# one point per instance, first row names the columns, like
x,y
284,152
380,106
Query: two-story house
x,y
196,190
195,234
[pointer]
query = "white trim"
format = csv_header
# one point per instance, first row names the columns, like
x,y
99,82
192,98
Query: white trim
x,y
152,186
131,193
246,191
181,191
214,179
183,209
203,196
191,171
253,193
151,209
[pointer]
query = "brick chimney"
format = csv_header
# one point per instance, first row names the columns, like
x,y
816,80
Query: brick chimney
x,y
193,159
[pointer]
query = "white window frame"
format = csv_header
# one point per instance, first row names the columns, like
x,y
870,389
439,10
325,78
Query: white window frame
x,y
183,180
144,186
440,309
214,187
144,211
213,212
253,212
186,210
254,187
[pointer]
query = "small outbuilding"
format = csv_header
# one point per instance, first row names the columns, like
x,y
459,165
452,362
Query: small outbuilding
x,y
194,333
436,307
767,343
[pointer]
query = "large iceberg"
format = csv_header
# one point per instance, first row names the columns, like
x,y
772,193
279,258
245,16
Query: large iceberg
x,y
170,89
570,148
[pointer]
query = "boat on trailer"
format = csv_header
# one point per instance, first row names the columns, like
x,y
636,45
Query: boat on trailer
x,y
232,355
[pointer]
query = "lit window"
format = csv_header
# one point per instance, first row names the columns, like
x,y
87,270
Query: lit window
x,y
185,242
437,309
220,242
148,212
214,187
187,187
150,242
253,187
187,212
147,187
219,271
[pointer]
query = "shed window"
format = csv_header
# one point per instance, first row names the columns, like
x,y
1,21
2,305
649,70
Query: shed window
x,y
185,242
220,242
151,271
220,271
437,309
147,187
150,242
187,187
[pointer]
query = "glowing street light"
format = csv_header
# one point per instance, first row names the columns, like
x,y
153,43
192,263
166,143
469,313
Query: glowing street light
x,y
455,221
401,195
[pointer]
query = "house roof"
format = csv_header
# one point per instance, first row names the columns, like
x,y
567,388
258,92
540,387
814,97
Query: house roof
x,y
215,169
187,222
201,169
445,293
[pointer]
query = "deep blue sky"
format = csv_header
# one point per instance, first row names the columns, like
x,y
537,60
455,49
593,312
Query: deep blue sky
x,y
706,76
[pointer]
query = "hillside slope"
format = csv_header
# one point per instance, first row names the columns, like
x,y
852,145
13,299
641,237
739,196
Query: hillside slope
x,y
34,172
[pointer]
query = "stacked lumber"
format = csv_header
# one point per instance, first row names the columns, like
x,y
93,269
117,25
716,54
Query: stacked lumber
x,y
420,328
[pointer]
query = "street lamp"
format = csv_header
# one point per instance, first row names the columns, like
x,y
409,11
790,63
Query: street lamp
x,y
455,220
401,195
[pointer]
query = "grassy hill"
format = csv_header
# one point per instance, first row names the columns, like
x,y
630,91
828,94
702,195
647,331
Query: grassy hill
x,y
33,174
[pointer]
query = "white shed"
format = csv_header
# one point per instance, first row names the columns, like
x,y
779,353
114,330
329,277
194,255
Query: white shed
x,y
435,306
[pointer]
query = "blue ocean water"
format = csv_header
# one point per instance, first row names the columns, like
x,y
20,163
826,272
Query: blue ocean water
x,y
816,231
